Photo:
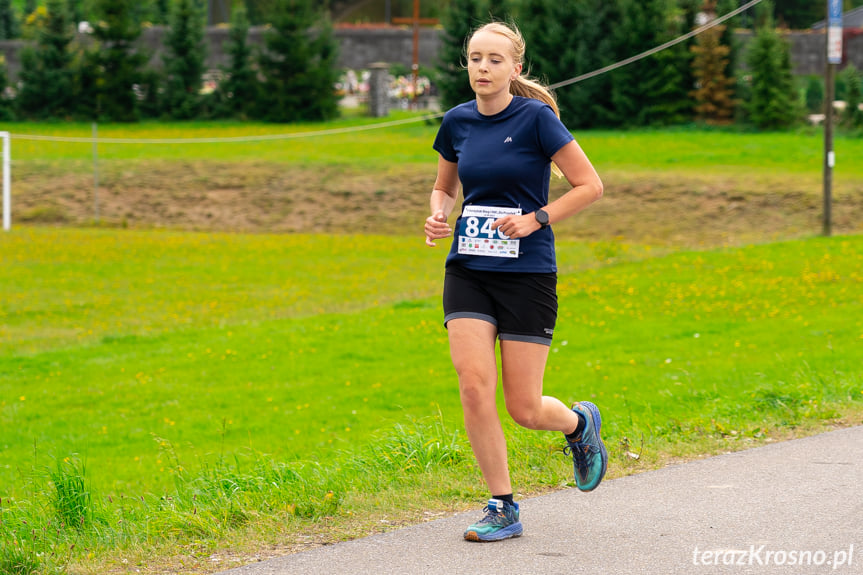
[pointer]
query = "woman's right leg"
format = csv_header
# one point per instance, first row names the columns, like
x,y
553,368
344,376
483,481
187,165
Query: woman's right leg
x,y
472,348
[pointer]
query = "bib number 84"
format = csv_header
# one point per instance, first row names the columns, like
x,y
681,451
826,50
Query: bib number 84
x,y
472,228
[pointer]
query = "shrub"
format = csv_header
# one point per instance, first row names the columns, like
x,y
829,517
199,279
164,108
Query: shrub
x,y
814,95
852,117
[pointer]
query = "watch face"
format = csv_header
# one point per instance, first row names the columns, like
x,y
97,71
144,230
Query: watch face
x,y
541,217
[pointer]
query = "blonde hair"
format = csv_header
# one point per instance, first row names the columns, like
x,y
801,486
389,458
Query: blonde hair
x,y
523,85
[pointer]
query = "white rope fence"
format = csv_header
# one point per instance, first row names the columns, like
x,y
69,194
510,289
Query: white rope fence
x,y
228,140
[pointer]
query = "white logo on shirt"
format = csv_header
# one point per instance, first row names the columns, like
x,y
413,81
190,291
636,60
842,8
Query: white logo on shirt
x,y
508,140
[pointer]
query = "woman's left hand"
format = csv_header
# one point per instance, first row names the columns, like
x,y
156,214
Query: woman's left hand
x,y
516,227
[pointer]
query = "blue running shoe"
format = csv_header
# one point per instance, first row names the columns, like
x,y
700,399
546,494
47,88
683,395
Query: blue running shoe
x,y
589,457
500,522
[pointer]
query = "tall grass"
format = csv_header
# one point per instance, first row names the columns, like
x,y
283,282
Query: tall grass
x,y
211,502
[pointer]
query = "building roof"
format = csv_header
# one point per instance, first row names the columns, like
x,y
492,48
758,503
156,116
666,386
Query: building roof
x,y
850,19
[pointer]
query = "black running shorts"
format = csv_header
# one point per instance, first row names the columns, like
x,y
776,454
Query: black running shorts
x,y
523,306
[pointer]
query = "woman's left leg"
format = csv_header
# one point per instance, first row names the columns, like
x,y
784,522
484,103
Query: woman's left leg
x,y
523,367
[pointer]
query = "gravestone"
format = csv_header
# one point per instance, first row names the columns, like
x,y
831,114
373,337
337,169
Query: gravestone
x,y
379,98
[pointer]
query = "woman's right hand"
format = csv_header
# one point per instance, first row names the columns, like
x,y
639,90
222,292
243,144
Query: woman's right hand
x,y
436,228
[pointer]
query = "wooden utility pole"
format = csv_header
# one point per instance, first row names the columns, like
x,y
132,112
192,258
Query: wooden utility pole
x,y
416,21
829,155
834,57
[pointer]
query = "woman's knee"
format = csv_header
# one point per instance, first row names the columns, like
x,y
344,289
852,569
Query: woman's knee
x,y
476,391
524,414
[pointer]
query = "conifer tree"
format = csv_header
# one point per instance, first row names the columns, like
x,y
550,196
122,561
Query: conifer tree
x,y
714,92
47,78
184,61
569,39
6,111
8,21
799,14
161,12
459,21
668,79
240,88
75,11
112,69
728,38
589,101
550,35
298,65
654,90
772,103
852,116
498,10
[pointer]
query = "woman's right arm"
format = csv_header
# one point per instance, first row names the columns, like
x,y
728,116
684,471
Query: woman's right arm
x,y
442,201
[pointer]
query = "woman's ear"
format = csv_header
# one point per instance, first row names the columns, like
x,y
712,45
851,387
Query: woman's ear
x,y
516,72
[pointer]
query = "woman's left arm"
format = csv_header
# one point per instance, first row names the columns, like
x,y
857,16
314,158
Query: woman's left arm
x,y
585,182
586,189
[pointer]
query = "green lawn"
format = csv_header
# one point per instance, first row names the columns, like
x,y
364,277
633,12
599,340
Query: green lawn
x,y
165,390
208,387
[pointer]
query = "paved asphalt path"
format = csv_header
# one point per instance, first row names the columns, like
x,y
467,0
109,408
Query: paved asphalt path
x,y
794,507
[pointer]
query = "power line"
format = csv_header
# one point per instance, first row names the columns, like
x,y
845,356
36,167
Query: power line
x,y
660,48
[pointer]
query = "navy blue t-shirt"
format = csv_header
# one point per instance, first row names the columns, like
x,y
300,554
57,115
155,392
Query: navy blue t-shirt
x,y
504,160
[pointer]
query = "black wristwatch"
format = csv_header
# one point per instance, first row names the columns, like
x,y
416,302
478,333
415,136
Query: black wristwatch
x,y
542,218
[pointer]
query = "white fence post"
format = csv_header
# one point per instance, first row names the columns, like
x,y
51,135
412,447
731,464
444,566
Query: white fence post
x,y
7,191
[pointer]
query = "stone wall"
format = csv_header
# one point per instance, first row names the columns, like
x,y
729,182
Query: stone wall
x,y
362,46
809,52
358,47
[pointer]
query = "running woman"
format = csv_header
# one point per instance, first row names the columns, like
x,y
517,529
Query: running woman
x,y
501,271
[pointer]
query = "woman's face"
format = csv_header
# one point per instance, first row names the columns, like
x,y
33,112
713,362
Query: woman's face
x,y
490,64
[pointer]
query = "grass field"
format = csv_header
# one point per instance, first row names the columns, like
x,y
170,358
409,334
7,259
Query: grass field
x,y
157,367
182,401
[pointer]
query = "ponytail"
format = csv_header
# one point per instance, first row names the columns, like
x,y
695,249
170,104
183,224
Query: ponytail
x,y
529,88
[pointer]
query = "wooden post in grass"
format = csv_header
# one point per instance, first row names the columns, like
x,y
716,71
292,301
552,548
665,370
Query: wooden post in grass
x,y
95,173
7,181
379,97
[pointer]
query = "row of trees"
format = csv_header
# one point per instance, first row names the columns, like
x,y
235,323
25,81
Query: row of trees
x,y
105,76
794,14
705,79
155,12
291,76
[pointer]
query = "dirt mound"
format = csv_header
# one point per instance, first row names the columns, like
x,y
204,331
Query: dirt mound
x,y
269,198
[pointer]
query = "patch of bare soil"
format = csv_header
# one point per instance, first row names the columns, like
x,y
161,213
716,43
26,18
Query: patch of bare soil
x,y
666,208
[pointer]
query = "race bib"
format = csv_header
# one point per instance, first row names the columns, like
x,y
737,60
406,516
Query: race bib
x,y
476,237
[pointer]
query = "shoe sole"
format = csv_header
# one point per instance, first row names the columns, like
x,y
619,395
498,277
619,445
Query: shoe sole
x,y
514,530
597,425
